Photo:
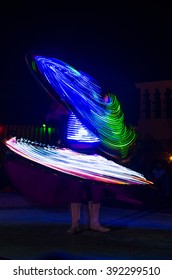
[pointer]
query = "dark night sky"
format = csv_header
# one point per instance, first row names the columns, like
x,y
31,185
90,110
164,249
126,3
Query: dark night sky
x,y
118,45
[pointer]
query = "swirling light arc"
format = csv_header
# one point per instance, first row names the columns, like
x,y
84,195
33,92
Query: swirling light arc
x,y
83,96
91,167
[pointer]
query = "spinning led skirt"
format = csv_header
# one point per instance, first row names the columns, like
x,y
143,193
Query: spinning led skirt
x,y
93,120
82,95
91,167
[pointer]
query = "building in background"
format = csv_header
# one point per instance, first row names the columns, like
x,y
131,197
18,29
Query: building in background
x,y
155,120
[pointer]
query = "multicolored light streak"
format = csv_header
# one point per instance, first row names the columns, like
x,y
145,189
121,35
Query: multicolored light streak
x,y
91,167
83,96
94,120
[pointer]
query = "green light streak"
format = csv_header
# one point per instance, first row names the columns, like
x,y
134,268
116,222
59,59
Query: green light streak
x,y
113,132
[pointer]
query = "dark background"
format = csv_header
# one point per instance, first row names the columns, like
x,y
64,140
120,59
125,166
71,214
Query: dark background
x,y
117,43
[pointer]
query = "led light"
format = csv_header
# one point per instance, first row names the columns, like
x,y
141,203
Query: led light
x,y
83,96
93,120
93,167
